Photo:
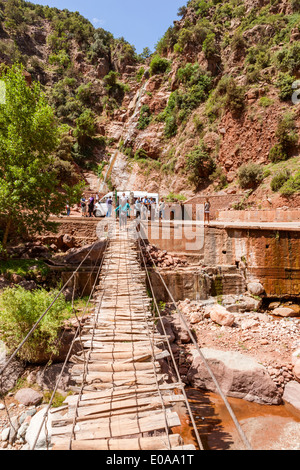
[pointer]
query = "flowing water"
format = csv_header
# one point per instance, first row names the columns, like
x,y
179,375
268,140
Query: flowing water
x,y
266,427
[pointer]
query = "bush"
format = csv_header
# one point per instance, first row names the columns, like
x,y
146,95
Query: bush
x,y
159,65
250,175
265,102
85,125
288,59
19,311
277,154
227,94
170,127
200,165
284,83
279,179
291,186
287,136
145,117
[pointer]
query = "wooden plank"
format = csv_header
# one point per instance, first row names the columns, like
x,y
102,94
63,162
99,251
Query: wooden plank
x,y
114,367
118,393
163,442
102,429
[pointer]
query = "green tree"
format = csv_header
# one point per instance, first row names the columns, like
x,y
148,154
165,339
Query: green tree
x,y
30,190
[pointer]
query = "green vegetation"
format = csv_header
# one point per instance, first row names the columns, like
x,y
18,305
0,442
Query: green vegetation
x,y
250,175
19,311
159,65
28,137
200,165
226,95
173,197
145,117
287,136
280,179
23,268
195,86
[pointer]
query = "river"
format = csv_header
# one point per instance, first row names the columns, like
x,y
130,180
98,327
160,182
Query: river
x,y
266,427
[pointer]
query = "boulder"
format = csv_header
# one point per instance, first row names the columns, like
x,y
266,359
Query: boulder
x,y
179,329
11,375
167,328
34,430
256,288
69,241
296,370
239,376
28,397
285,312
292,394
220,315
47,378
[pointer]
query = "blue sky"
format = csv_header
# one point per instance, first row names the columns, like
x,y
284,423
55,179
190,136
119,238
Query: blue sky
x,y
140,22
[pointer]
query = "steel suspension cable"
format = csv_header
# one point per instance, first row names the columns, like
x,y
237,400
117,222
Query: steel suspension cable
x,y
34,327
222,395
172,356
78,332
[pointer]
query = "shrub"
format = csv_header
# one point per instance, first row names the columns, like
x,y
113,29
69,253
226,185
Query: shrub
x,y
291,186
140,74
227,94
159,65
85,125
250,175
288,59
19,311
170,127
277,153
284,83
200,165
287,136
279,179
145,117
265,102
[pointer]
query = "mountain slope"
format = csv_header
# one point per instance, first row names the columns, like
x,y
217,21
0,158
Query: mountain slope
x,y
211,110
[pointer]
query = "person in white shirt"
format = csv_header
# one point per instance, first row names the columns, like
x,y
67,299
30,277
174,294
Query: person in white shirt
x,y
138,208
161,209
123,200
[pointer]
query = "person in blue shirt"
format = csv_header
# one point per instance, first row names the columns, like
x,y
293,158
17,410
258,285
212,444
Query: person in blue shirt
x,y
124,210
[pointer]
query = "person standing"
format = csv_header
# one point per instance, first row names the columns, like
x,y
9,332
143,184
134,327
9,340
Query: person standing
x,y
207,211
161,209
123,213
144,211
83,207
91,206
138,208
68,208
109,206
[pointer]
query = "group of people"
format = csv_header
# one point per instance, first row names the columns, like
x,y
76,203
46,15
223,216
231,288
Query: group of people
x,y
145,208
90,206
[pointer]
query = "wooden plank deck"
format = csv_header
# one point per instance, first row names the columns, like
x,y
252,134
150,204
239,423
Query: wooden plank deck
x,y
122,400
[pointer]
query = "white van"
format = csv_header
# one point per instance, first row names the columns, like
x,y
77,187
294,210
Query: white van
x,y
101,208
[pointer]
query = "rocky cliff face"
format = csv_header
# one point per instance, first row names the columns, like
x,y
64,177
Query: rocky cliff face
x,y
210,111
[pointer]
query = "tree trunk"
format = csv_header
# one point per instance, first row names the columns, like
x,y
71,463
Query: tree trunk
x,y
6,233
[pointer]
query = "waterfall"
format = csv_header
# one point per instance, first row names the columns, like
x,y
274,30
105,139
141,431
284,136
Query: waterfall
x,y
132,122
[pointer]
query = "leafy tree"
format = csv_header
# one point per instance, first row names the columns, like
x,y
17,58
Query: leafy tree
x,y
200,165
29,189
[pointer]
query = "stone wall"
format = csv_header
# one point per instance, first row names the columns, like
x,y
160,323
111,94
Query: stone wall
x,y
270,216
268,255
218,203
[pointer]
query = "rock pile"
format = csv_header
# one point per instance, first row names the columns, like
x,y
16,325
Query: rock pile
x,y
162,258
273,341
